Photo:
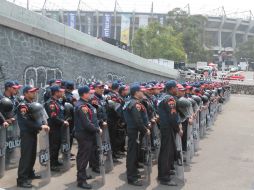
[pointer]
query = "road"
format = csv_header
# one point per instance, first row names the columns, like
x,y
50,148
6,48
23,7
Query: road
x,y
225,161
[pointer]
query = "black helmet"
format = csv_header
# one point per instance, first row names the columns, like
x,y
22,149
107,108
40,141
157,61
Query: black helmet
x,y
36,111
194,104
209,91
204,99
184,108
207,94
215,92
6,105
68,109
197,99
220,91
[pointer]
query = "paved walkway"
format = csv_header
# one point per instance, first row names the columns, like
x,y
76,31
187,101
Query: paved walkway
x,y
225,161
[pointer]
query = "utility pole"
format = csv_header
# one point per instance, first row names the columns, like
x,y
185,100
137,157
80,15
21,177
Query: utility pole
x,y
152,11
115,19
133,29
97,22
43,10
27,4
78,14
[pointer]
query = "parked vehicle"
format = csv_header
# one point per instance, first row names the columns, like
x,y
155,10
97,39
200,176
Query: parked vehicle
x,y
235,76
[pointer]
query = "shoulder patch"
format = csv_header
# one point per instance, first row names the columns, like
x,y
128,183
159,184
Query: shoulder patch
x,y
95,101
23,109
52,106
85,109
172,105
138,106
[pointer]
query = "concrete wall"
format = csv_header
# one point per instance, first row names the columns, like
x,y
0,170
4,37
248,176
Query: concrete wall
x,y
242,89
34,49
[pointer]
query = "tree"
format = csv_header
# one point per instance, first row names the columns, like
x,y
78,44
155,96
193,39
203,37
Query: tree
x,y
246,50
156,41
192,29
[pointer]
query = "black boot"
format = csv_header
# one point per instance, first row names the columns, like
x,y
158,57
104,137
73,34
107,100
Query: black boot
x,y
24,184
84,185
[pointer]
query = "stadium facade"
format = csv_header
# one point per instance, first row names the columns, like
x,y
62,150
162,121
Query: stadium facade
x,y
222,34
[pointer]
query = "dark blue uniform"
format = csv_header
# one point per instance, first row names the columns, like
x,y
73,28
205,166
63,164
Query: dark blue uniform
x,y
86,127
55,111
115,121
135,117
2,119
169,126
99,103
29,129
70,99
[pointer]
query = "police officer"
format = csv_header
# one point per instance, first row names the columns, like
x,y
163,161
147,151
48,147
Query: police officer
x,y
135,124
10,91
55,111
4,123
69,87
169,126
85,123
99,103
114,119
124,95
182,93
29,129
51,82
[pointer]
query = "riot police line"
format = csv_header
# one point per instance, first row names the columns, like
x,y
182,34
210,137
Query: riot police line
x,y
107,120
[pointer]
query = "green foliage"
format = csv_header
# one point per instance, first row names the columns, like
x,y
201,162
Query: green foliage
x,y
156,41
183,35
246,50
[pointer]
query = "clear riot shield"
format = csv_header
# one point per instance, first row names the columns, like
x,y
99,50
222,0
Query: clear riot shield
x,y
147,158
107,151
179,164
43,153
188,151
12,154
65,148
196,133
156,142
213,113
192,150
2,150
101,158
219,108
216,110
202,121
208,118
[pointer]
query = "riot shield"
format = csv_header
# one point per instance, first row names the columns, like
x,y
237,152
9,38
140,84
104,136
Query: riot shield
x,y
196,133
65,148
2,150
208,118
192,150
219,108
156,142
43,153
147,157
202,121
179,164
101,157
216,109
213,113
107,151
188,151
65,138
12,155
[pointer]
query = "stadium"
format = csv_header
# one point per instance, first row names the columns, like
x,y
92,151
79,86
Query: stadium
x,y
224,32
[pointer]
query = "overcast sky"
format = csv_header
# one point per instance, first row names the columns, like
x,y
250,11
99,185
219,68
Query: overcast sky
x,y
160,6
